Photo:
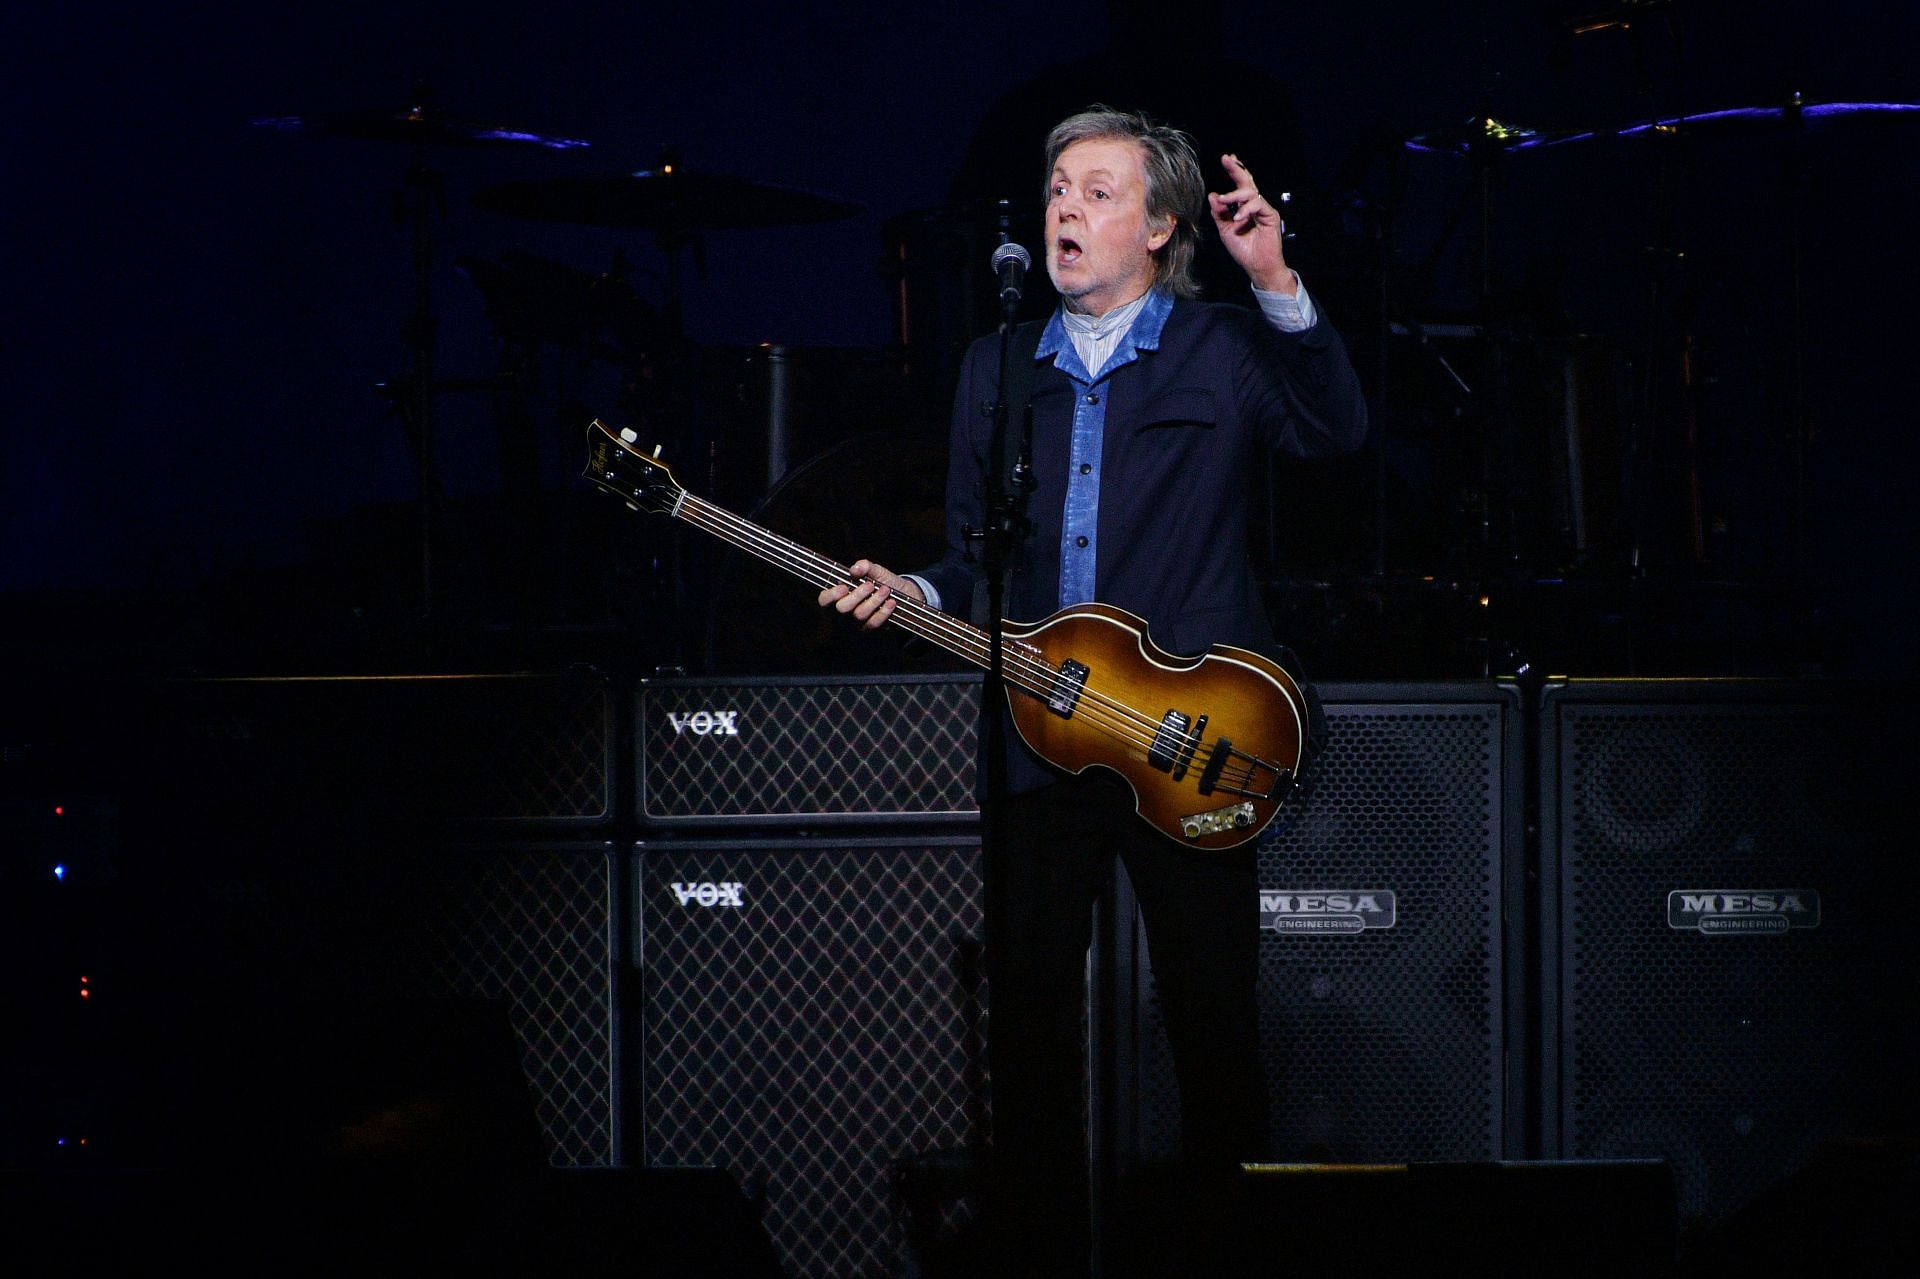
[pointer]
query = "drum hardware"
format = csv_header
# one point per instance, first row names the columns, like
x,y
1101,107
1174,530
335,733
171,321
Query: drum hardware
x,y
1657,385
677,204
420,127
667,197
709,404
533,300
674,202
1795,114
1480,134
1791,123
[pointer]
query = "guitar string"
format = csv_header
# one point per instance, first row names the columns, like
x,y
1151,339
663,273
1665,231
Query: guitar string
x,y
917,618
924,620
1142,732
819,569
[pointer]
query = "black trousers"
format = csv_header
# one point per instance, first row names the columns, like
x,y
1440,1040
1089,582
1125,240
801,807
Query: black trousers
x,y
1202,920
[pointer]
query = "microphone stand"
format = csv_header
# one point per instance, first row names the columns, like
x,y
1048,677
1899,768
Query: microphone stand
x,y
1006,524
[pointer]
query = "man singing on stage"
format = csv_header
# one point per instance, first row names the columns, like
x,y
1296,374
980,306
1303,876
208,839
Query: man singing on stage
x,y
1150,410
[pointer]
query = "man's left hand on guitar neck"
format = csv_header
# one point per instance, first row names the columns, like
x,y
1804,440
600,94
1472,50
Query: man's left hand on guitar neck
x,y
870,597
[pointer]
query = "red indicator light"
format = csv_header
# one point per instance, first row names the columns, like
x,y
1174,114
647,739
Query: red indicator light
x,y
85,993
59,810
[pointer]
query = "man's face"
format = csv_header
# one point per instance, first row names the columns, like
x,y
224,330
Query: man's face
x,y
1099,246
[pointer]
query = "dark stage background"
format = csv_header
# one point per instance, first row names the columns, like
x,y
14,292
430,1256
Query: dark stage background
x,y
201,471
207,470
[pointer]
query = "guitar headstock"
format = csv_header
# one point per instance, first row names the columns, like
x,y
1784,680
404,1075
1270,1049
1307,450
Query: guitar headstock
x,y
616,464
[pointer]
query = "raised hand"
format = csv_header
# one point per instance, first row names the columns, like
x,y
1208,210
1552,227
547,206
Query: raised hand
x,y
1250,228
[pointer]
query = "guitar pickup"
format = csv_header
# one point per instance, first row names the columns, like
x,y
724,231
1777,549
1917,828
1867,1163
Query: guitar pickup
x,y
1066,688
1184,759
1170,742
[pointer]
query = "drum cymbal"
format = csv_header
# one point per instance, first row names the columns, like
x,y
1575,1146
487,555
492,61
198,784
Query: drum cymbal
x,y
1482,133
667,198
419,125
1774,119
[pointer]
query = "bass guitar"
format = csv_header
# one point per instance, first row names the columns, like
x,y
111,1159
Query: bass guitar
x,y
1209,744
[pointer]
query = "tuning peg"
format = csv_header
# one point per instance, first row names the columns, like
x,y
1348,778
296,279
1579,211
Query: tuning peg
x,y
628,435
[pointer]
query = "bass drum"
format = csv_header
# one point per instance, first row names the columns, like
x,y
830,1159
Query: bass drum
x,y
881,494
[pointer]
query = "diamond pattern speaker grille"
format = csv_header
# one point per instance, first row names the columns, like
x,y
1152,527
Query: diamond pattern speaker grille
x,y
1732,1056
529,925
849,750
532,750
814,1032
1384,1044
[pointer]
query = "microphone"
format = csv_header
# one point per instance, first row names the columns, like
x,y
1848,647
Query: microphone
x,y
1010,263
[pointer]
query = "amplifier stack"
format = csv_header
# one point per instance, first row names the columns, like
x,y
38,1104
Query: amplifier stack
x,y
737,924
807,943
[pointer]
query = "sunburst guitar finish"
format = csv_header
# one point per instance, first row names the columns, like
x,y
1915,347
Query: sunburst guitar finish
x,y
1208,744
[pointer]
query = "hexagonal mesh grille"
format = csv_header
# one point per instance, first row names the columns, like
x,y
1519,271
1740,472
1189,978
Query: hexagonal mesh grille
x,y
804,749
1384,1045
1732,1056
815,1033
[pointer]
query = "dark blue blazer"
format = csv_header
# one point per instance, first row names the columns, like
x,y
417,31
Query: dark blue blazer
x,y
1184,424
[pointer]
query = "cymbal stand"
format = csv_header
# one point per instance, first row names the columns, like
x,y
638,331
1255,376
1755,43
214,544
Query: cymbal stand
x,y
1793,177
1483,153
423,194
681,398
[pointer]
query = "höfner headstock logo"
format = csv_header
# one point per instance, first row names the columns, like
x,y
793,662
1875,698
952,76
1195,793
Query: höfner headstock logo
x,y
1743,910
1337,910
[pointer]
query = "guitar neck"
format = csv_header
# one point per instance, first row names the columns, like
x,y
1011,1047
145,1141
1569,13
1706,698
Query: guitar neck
x,y
965,641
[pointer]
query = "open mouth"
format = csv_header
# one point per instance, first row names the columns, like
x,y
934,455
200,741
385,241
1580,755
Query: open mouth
x,y
1067,250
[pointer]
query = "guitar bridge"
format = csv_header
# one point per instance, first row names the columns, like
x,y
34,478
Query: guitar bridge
x,y
1232,817
1244,778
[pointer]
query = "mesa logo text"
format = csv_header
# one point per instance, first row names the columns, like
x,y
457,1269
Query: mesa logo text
x,y
1743,910
705,723
1339,910
710,894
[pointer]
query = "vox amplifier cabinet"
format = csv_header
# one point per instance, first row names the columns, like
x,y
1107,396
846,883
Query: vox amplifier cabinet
x,y
1729,975
812,1019
807,751
527,751
1387,1023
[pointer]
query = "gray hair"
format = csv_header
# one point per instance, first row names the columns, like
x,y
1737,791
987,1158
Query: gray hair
x,y
1176,191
